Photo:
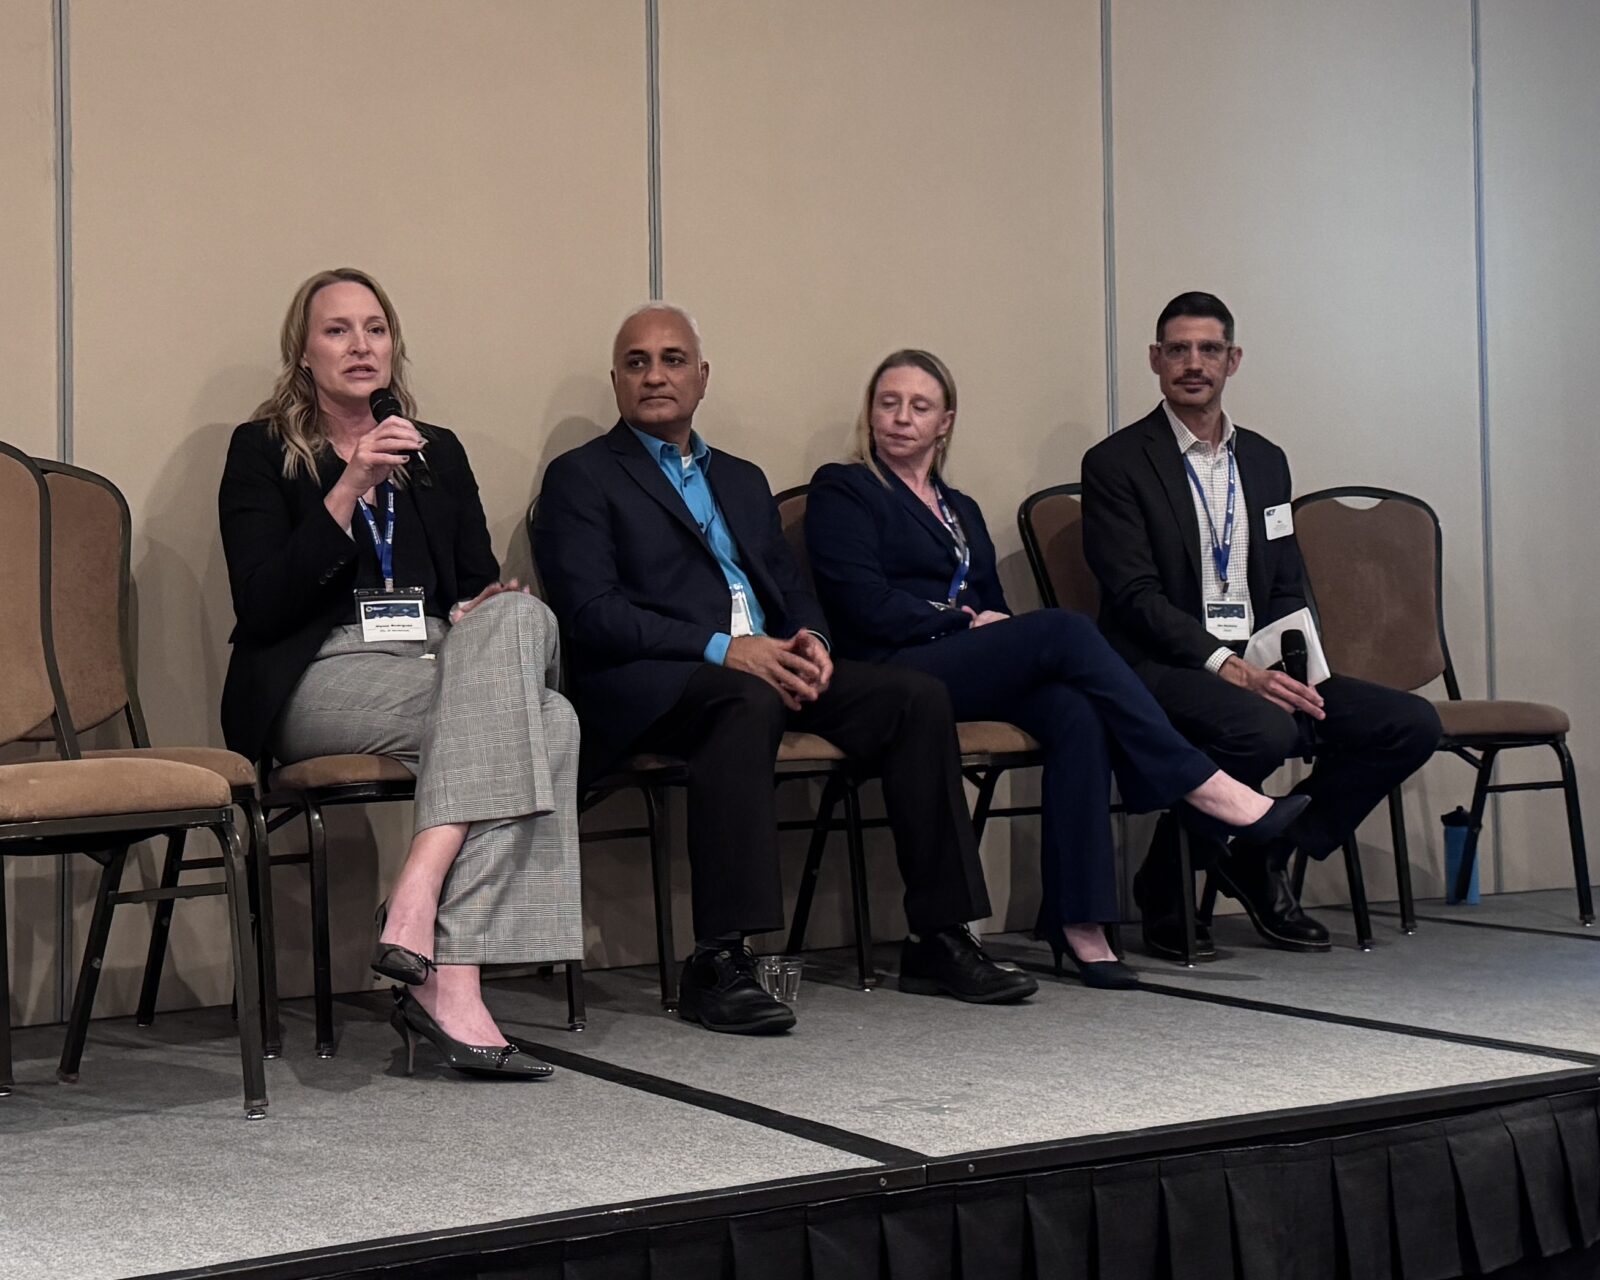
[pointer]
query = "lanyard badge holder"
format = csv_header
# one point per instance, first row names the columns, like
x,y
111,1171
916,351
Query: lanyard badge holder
x,y
958,582
388,614
1225,619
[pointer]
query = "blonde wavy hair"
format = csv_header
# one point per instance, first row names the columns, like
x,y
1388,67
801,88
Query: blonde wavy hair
x,y
291,411
906,358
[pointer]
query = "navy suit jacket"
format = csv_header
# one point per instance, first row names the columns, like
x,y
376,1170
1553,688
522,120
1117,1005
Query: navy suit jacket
x,y
637,588
881,559
1142,541
291,568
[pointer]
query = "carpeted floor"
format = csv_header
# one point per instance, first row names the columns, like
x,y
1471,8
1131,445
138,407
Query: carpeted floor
x,y
147,1164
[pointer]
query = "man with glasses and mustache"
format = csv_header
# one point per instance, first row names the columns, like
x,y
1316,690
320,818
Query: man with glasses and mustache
x,y
1187,525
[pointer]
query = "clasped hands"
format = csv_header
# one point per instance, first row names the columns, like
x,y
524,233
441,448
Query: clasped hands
x,y
799,668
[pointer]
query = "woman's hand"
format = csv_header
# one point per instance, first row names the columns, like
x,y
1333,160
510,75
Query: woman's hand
x,y
379,454
376,457
985,618
461,610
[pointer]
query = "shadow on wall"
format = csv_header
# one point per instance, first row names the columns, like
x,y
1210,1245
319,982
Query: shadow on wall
x,y
516,561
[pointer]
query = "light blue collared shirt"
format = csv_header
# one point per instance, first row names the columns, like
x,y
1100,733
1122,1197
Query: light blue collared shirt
x,y
687,475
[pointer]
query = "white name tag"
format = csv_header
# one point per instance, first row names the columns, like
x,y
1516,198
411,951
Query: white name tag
x,y
391,615
1279,521
1226,620
740,625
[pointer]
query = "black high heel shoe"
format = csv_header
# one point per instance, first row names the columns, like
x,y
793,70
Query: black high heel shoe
x,y
1269,826
396,963
1106,975
507,1060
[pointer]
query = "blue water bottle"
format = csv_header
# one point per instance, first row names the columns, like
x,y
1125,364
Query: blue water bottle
x,y
1456,823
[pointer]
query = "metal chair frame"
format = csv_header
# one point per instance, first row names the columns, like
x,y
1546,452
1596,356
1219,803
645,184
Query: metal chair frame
x,y
1478,750
175,864
106,839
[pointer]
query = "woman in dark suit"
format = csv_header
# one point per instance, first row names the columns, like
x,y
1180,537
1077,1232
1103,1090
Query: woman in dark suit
x,y
370,619
906,573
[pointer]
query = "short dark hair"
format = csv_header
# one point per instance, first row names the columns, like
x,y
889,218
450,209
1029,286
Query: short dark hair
x,y
1207,306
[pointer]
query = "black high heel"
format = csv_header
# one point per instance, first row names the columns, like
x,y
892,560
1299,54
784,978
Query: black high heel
x,y
1106,975
397,963
507,1060
1269,826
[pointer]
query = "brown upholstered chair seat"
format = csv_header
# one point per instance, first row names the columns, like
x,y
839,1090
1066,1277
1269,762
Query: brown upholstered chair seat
x,y
1500,718
233,767
338,771
797,747
993,737
40,791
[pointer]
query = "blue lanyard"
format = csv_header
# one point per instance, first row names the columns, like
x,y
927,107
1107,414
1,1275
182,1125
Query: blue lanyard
x,y
383,542
1221,550
963,551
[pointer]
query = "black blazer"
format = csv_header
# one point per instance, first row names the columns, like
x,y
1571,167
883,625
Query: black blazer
x,y
635,584
881,559
1142,541
292,569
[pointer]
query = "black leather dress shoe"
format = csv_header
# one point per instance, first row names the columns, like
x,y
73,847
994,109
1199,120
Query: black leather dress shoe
x,y
952,963
1163,937
1258,878
718,989
1161,917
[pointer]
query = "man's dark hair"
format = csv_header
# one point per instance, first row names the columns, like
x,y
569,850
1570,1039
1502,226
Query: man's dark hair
x,y
1207,306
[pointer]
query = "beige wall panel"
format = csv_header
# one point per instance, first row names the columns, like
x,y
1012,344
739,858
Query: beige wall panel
x,y
1312,165
486,160
28,392
28,227
1541,114
839,180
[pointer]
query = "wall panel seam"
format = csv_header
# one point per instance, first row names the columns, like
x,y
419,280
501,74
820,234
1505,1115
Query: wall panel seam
x,y
1108,204
1485,481
61,49
652,89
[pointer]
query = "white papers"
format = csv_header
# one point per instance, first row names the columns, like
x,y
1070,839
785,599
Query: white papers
x,y
1266,646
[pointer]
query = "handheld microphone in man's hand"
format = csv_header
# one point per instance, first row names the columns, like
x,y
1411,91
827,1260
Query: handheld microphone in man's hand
x,y
1293,647
1295,659
385,404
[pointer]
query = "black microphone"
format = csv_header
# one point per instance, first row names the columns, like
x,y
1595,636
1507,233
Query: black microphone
x,y
1295,659
1292,645
385,404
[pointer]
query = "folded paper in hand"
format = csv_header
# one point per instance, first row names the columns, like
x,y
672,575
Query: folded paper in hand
x,y
1266,646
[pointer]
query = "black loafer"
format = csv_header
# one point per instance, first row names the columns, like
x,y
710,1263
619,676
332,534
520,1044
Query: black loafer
x,y
952,963
718,989
1163,937
1258,879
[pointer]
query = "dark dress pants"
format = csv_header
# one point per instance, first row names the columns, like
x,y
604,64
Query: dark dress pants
x,y
896,724
1053,674
1372,739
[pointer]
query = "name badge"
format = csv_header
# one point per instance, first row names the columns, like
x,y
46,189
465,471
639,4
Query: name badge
x,y
1226,620
391,615
1279,521
740,623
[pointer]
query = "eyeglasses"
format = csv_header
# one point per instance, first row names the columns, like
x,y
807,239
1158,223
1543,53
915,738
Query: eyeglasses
x,y
1209,351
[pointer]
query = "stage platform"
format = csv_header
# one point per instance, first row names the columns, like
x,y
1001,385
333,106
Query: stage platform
x,y
1426,1109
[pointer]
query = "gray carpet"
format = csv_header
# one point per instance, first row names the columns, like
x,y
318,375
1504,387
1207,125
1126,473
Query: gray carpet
x,y
148,1164
943,1077
1536,989
1552,910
